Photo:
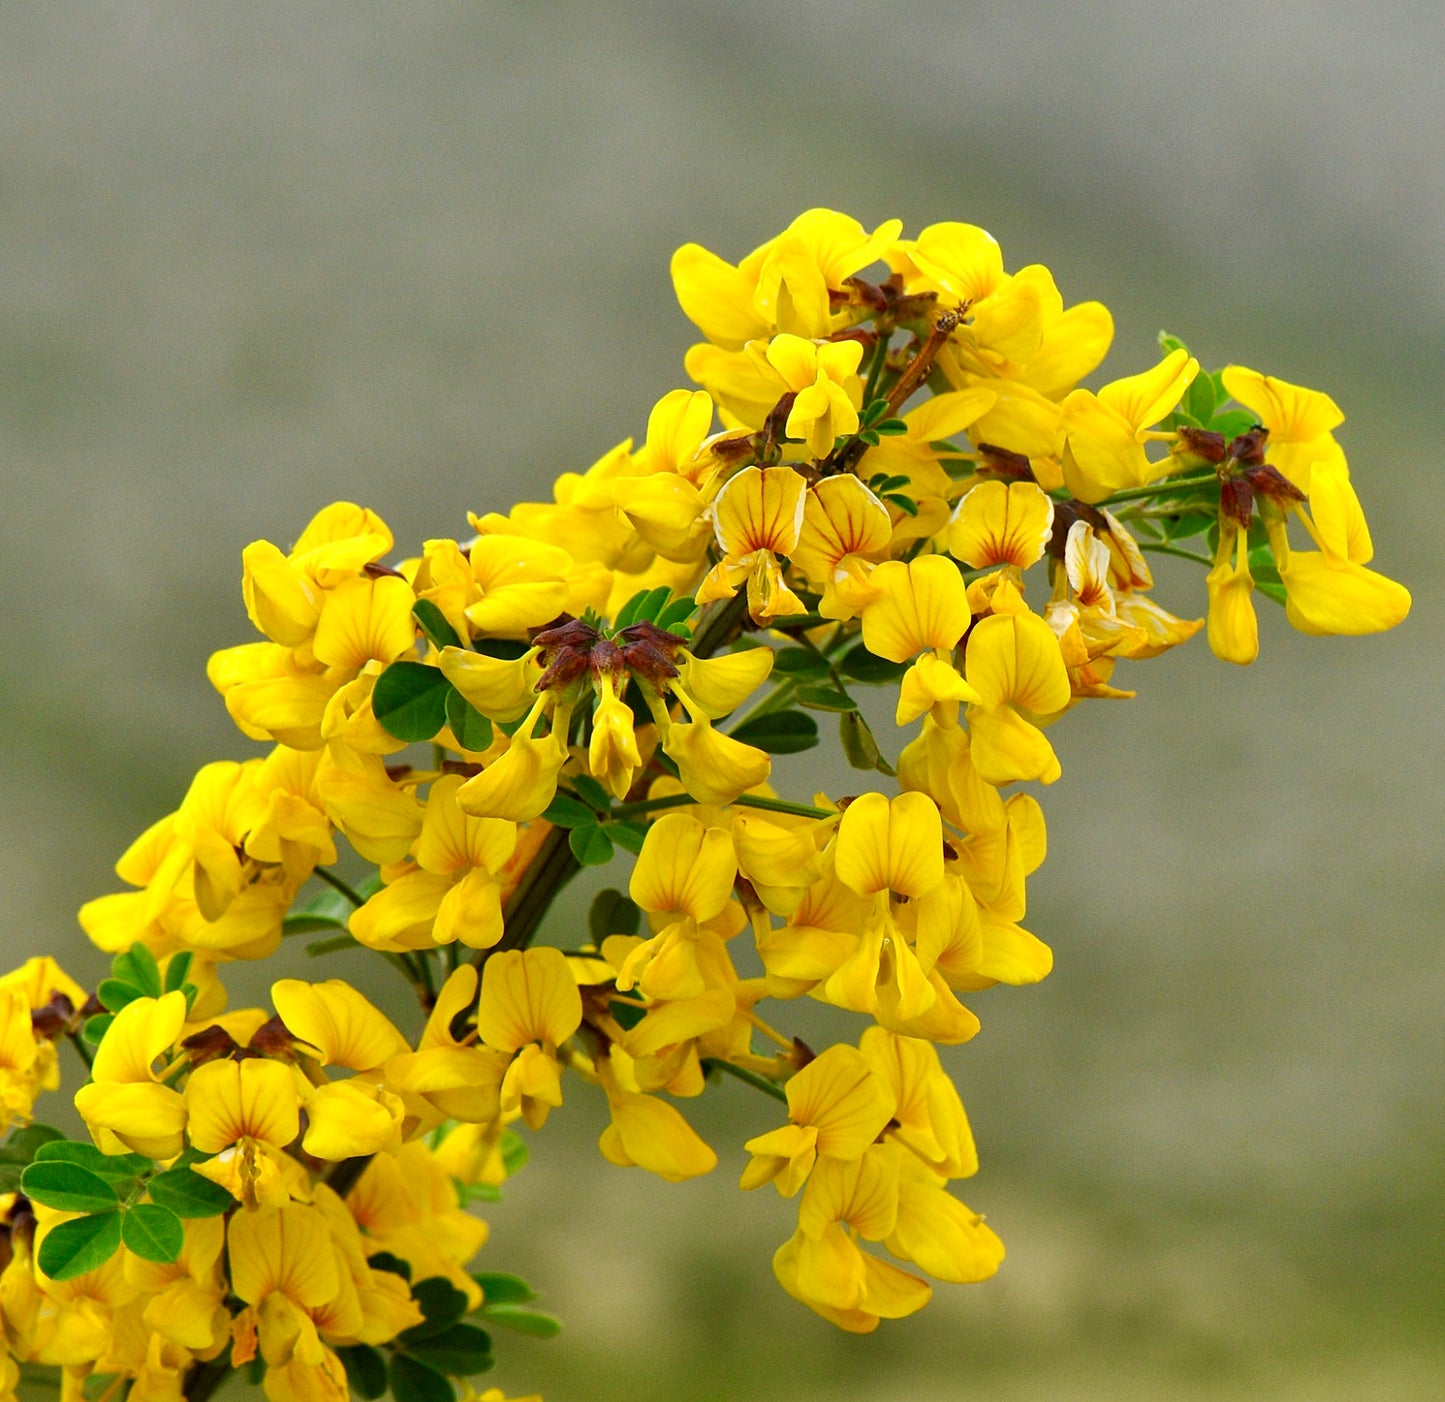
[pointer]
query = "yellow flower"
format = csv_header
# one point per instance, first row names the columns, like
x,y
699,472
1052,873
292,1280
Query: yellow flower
x,y
997,523
1329,590
1014,663
838,1106
125,1106
1105,432
826,388
845,533
757,517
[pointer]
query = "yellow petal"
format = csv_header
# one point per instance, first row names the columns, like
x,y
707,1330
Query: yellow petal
x,y
528,996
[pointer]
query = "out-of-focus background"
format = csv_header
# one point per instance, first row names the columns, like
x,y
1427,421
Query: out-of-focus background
x,y
256,258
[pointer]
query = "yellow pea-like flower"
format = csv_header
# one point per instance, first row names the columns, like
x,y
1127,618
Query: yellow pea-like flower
x,y
998,523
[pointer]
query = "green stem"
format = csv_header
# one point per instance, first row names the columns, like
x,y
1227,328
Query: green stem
x,y
1176,552
875,370
624,811
779,805
749,1077
337,884
78,1042
1173,485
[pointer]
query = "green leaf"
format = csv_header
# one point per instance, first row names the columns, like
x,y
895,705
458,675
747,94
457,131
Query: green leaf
x,y
154,1233
68,1187
825,698
441,1303
412,1381
1169,344
385,1261
591,845
473,731
138,966
498,1289
24,1144
675,617
96,1027
1199,398
907,505
859,744
309,924
612,913
780,733
799,662
1232,422
115,994
591,792
82,1245
890,427
461,1351
628,836
176,971
872,411
868,435
327,904
523,1321
862,666
514,1152
627,614
626,1015
1186,524
564,811
433,622
410,700
365,1370
187,1194
329,946
114,1168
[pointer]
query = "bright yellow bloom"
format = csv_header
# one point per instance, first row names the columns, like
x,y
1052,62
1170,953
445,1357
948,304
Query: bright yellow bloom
x,y
824,380
521,584
757,517
1329,590
125,1106
1233,629
337,1023
999,523
838,1106
1301,422
846,531
1105,432
1013,662
443,1078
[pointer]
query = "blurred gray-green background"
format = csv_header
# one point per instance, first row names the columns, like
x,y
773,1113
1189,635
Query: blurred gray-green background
x,y
254,258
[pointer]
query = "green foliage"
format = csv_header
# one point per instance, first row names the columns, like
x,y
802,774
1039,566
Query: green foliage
x,y
612,913
859,744
187,1194
499,1289
472,730
68,1187
115,1168
20,1149
152,1232
860,665
523,1321
779,732
825,698
592,846
365,1370
799,662
564,811
410,700
414,1381
433,623
81,1245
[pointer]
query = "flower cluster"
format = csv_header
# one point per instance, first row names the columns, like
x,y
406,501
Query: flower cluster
x,y
888,478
